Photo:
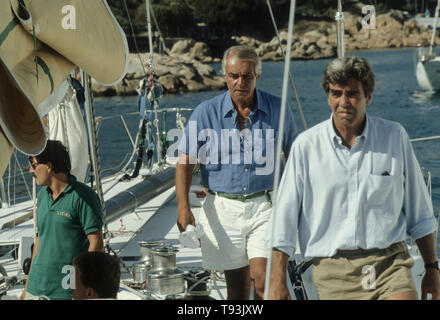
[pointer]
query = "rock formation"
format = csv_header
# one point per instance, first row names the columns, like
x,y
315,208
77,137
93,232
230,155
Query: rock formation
x,y
176,73
317,39
186,68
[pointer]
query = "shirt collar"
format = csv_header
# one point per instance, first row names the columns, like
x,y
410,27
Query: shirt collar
x,y
68,188
334,136
228,106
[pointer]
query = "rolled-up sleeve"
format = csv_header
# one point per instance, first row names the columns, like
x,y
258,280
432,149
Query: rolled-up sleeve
x,y
288,206
417,205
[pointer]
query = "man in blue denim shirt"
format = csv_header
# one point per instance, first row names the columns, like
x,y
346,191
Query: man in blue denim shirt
x,y
234,136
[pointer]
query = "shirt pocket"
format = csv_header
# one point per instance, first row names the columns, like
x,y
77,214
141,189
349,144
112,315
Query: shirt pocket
x,y
380,188
380,207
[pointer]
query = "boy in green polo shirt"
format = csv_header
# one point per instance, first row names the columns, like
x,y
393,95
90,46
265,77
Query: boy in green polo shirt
x,y
69,221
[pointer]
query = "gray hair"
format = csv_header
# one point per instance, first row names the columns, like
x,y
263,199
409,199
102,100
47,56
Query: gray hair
x,y
242,53
342,70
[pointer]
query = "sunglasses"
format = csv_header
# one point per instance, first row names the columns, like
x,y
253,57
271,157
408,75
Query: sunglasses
x,y
35,164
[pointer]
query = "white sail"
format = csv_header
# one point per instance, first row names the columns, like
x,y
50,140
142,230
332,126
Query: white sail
x,y
66,124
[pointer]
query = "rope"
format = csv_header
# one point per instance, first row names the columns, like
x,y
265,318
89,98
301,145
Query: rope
x,y
140,153
164,135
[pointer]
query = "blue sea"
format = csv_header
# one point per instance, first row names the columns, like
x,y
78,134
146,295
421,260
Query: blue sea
x,y
397,97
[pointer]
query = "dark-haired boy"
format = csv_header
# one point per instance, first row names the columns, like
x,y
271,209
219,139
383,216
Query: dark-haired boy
x,y
97,276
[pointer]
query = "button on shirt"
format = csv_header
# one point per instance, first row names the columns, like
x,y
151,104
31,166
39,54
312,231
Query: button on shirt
x,y
370,196
233,160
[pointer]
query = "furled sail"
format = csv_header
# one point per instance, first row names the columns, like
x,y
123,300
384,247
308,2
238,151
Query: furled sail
x,y
40,43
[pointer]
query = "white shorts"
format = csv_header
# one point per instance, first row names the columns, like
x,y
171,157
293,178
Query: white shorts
x,y
234,231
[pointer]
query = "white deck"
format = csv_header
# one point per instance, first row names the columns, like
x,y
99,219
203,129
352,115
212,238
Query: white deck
x,y
155,220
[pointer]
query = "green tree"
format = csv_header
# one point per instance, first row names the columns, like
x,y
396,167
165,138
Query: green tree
x,y
226,18
173,16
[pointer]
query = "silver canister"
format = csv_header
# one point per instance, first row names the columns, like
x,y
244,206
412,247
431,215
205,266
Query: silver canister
x,y
164,259
166,283
140,272
145,250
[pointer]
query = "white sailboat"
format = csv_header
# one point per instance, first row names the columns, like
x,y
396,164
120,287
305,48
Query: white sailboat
x,y
141,215
428,61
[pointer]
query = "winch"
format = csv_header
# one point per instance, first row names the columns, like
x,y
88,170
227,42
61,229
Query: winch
x,y
145,250
157,272
165,278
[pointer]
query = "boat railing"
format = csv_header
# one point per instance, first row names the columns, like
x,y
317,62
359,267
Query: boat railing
x,y
427,174
428,180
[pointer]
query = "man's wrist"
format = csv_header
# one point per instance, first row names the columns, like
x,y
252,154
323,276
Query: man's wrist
x,y
433,265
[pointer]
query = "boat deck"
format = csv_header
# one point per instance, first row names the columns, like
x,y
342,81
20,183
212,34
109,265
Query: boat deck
x,y
156,220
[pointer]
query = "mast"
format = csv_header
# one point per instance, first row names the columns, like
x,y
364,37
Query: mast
x,y
279,141
150,37
340,22
434,28
93,143
152,84
164,47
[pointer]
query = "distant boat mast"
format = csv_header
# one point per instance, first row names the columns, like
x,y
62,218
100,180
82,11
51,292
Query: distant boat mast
x,y
340,22
434,28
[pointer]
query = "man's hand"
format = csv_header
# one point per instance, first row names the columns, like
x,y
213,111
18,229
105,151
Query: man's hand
x,y
431,284
431,280
279,292
184,218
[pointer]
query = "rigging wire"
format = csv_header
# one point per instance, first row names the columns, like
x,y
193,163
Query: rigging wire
x,y
158,29
22,175
290,74
134,37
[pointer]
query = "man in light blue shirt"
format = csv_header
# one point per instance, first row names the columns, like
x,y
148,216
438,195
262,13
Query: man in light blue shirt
x,y
352,192
234,136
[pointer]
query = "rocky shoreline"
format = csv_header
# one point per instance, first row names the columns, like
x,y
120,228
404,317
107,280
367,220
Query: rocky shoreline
x,y
318,39
176,73
187,68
